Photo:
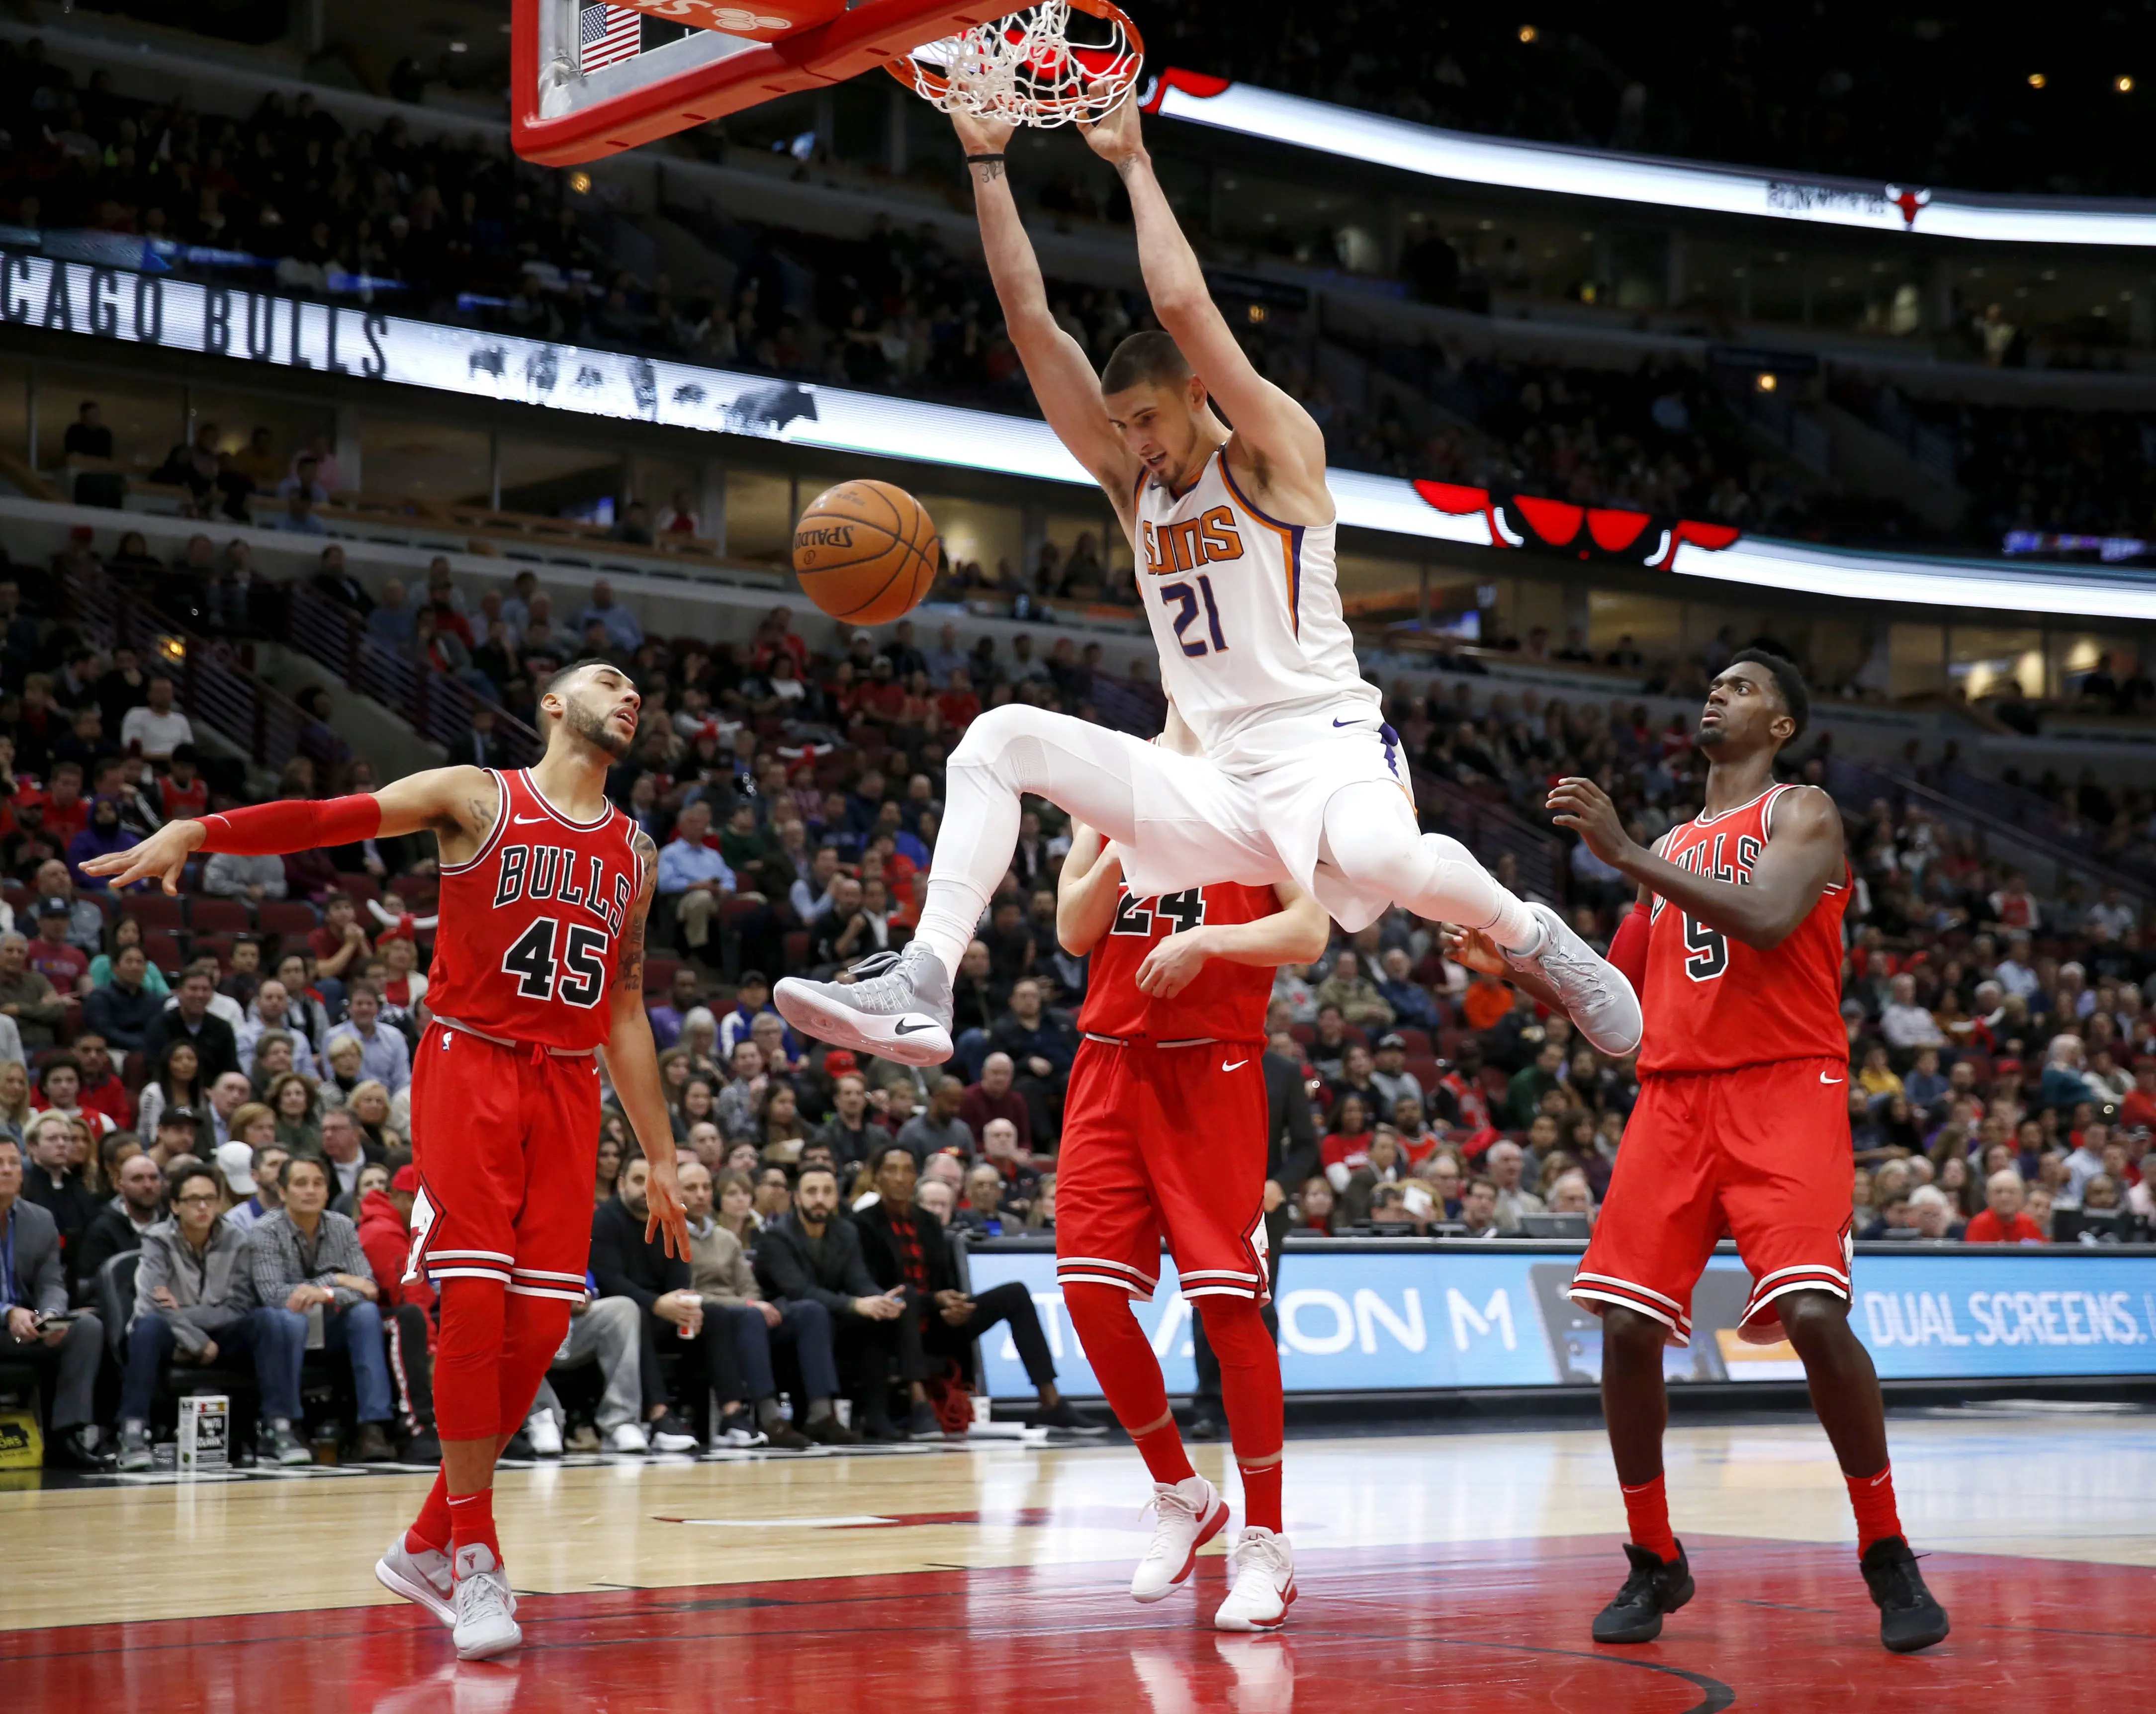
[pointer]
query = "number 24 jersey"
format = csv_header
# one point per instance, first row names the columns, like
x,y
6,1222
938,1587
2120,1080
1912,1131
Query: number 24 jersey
x,y
1713,1003
530,938
1225,1002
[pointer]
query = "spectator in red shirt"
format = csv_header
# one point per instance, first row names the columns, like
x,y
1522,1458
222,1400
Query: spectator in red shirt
x,y
339,946
52,956
994,1098
1346,1145
183,793
958,704
102,1090
66,810
2138,1111
2002,1221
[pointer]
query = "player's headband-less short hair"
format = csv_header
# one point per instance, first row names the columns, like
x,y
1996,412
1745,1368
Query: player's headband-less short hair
x,y
1145,360
1796,695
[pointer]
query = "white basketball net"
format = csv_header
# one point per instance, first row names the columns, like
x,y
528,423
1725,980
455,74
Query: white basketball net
x,y
1027,69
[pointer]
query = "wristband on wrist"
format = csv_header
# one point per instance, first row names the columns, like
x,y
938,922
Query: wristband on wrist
x,y
977,159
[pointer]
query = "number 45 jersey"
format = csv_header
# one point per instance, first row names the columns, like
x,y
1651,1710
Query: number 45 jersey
x,y
530,929
1225,1002
1713,1003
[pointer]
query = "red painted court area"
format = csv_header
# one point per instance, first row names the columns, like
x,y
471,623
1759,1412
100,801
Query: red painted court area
x,y
1495,1626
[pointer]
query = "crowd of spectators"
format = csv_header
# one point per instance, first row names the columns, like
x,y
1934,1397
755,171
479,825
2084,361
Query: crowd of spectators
x,y
1824,90
224,1079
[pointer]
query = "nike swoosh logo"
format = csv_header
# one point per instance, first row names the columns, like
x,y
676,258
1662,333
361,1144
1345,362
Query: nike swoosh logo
x,y
527,820
910,1028
1339,723
1824,1078
1237,1066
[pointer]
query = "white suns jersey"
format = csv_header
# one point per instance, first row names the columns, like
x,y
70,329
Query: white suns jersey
x,y
1245,610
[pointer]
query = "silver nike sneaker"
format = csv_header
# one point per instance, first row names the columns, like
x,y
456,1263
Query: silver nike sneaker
x,y
1597,998
897,1006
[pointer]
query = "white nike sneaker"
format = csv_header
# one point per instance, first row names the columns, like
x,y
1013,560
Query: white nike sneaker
x,y
898,1006
628,1438
1187,1515
422,1578
544,1434
1597,998
486,1623
1263,1566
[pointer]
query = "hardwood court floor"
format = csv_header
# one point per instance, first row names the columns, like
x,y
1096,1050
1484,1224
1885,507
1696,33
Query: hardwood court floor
x,y
1457,1571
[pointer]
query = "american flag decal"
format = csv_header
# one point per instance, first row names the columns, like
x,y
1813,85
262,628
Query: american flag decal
x,y
606,35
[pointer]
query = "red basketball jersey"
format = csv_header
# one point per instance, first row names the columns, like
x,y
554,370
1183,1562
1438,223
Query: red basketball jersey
x,y
530,928
1226,1002
1712,1002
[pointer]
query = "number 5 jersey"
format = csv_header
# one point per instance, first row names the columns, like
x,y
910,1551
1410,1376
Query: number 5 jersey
x,y
530,937
1712,1003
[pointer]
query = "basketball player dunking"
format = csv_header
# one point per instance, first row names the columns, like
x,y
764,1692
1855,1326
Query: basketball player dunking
x,y
538,967
1741,1126
1167,1132
1296,778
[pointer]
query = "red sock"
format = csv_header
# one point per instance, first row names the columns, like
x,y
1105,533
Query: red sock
x,y
1163,1454
1647,1510
1873,1499
1261,1496
1128,1372
430,1531
471,1523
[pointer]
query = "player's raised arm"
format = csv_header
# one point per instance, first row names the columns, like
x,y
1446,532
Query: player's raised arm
x,y
1087,890
1282,448
1056,366
456,804
632,1063
1801,861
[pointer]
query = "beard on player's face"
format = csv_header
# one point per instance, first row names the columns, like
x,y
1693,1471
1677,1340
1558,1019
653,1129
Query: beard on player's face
x,y
595,726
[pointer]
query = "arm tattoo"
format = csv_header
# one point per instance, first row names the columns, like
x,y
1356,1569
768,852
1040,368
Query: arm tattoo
x,y
988,170
628,974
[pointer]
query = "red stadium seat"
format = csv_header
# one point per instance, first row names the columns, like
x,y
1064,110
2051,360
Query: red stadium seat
x,y
1356,1034
796,950
153,910
212,946
658,974
361,886
134,1072
219,915
1426,1070
162,947
1449,1042
288,919
1304,1034
1416,1041
1496,1085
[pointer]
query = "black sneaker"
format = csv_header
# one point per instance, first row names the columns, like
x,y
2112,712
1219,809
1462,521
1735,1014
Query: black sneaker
x,y
782,1436
72,1450
1656,1586
1909,1617
922,1423
371,1446
878,1426
1064,1417
1204,1425
672,1433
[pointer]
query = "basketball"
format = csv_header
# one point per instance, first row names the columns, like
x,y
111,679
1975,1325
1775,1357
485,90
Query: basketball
x,y
865,551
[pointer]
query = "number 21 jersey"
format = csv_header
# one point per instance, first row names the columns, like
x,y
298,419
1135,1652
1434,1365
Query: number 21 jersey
x,y
530,937
1245,609
1713,1003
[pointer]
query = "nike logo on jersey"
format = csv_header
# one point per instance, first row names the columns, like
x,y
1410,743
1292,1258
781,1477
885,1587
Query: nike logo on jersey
x,y
1237,1066
527,820
1824,1078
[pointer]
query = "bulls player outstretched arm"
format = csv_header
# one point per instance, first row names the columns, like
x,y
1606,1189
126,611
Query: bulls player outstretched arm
x,y
1282,450
1056,366
458,805
1802,859
632,1063
1297,933
1086,891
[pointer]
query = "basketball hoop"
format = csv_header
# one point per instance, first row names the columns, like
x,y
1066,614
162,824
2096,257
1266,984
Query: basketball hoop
x,y
1033,68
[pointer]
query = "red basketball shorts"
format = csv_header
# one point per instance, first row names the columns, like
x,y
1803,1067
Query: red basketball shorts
x,y
1760,1154
506,1141
1164,1141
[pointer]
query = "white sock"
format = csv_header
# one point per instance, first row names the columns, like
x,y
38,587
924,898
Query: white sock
x,y
950,917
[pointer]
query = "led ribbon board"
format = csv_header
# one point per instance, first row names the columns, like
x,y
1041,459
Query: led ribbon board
x,y
1468,158
128,307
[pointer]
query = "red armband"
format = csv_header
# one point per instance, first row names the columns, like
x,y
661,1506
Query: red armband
x,y
1628,948
294,824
